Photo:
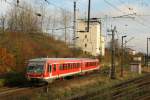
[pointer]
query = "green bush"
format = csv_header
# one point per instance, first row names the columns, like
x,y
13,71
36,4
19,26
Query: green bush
x,y
2,82
15,79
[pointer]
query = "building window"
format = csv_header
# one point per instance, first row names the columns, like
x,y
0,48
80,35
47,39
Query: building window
x,y
86,28
85,45
85,36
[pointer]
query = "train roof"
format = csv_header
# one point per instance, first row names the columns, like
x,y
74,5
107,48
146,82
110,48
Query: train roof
x,y
57,59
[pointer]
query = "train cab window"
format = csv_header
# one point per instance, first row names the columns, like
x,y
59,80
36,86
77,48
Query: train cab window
x,y
54,67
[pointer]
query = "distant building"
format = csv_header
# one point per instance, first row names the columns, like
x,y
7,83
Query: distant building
x,y
93,41
131,51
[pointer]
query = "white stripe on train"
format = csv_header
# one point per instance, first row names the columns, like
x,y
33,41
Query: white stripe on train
x,y
68,74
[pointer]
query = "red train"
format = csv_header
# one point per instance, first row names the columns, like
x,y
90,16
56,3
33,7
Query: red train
x,y
49,69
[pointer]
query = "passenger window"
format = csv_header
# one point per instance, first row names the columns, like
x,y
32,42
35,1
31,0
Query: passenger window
x,y
54,67
69,66
61,67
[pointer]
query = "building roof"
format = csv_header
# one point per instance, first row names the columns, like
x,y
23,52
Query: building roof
x,y
129,49
91,20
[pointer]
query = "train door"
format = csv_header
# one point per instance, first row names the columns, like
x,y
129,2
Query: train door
x,y
49,70
54,70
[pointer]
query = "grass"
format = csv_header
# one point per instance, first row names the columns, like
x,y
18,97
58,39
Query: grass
x,y
87,86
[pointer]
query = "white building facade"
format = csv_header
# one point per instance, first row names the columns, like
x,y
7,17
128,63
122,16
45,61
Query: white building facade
x,y
92,42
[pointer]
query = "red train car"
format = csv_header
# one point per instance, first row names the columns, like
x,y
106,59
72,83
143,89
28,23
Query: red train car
x,y
49,69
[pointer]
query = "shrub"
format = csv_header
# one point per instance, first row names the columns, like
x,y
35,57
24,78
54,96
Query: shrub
x,y
2,82
15,79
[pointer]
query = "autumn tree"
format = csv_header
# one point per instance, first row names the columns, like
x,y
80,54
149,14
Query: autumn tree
x,y
7,61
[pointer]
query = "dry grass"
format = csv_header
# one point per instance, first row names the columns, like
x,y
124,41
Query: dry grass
x,y
84,85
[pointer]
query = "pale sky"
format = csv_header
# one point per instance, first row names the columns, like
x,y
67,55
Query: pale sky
x,y
139,27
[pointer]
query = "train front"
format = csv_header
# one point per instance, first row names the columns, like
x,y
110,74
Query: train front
x,y
35,71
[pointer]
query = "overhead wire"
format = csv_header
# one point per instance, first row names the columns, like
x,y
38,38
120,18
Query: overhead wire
x,y
113,6
53,4
38,14
17,5
135,14
124,13
69,27
129,8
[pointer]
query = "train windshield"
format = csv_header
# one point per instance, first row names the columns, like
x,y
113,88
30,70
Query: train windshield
x,y
35,69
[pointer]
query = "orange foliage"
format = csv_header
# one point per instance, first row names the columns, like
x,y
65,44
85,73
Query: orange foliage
x,y
18,48
7,61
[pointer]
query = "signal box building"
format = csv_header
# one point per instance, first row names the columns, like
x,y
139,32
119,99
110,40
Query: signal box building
x,y
90,42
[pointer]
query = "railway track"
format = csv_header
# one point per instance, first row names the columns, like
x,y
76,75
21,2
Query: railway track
x,y
27,91
6,91
9,91
137,89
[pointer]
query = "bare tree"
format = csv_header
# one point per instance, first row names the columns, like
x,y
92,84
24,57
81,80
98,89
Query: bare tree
x,y
23,20
2,22
65,23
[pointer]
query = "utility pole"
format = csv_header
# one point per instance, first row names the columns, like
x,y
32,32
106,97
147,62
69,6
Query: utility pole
x,y
147,61
112,72
17,2
74,26
89,11
87,29
100,40
122,56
